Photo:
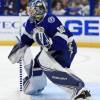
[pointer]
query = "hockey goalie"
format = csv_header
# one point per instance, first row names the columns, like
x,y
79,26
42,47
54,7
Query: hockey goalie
x,y
58,49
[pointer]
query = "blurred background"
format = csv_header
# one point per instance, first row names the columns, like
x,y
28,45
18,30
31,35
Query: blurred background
x,y
81,17
57,7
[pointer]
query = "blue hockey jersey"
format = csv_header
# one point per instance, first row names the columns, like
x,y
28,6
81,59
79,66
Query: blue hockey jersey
x,y
53,29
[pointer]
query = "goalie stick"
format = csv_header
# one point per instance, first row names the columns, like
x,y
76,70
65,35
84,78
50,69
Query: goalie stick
x,y
20,70
20,61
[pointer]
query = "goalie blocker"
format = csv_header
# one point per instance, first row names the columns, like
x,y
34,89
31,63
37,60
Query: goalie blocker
x,y
17,53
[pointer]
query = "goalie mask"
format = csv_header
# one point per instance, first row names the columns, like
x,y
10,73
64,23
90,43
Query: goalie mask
x,y
37,9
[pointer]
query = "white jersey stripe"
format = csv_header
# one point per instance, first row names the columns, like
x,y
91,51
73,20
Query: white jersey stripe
x,y
29,35
65,37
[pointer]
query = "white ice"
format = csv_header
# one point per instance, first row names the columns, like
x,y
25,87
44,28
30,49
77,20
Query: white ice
x,y
86,64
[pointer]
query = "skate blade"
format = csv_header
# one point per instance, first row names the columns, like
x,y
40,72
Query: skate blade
x,y
88,98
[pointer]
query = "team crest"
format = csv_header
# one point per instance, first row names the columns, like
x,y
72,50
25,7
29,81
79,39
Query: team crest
x,y
51,19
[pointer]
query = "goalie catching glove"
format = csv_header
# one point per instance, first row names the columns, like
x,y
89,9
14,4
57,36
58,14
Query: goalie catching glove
x,y
41,38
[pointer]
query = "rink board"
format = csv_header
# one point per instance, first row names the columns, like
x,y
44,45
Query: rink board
x,y
79,44
86,30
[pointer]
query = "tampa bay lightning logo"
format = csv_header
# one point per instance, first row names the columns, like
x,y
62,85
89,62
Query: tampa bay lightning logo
x,y
51,19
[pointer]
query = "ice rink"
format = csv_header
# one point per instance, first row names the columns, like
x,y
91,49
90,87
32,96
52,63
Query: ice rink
x,y
86,64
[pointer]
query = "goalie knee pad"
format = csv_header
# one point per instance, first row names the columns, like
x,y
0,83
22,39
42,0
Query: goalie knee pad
x,y
34,85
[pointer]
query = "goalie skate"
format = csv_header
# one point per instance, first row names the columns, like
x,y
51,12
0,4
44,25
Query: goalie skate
x,y
84,95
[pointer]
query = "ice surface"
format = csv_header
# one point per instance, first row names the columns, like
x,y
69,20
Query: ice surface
x,y
86,64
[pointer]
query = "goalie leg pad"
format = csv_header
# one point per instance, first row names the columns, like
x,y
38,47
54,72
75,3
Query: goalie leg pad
x,y
28,62
36,80
59,75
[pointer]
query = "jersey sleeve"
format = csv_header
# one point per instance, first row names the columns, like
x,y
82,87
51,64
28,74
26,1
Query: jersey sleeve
x,y
61,37
26,38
